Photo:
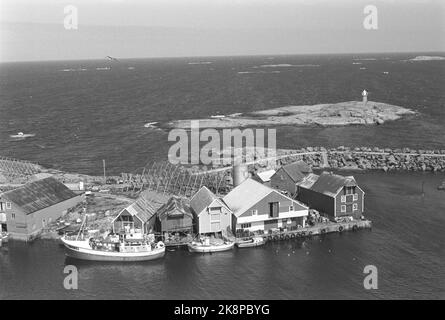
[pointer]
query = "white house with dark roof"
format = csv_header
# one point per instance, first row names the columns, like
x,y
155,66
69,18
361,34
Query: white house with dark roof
x,y
212,213
258,207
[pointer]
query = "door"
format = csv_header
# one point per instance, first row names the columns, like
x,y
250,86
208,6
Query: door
x,y
273,209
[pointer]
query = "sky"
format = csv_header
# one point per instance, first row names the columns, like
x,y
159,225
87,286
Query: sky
x,y
33,30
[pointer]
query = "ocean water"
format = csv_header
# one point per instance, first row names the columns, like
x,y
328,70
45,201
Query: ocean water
x,y
83,115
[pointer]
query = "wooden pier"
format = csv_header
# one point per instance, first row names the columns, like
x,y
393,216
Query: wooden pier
x,y
318,229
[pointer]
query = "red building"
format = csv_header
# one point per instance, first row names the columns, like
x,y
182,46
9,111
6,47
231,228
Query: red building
x,y
332,194
286,177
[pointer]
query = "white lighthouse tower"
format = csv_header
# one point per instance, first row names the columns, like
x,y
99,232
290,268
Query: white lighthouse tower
x,y
365,96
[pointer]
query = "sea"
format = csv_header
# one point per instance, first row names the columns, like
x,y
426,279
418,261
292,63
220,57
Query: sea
x,y
83,112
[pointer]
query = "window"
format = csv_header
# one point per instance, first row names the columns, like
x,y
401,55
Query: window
x,y
350,190
343,208
246,225
355,196
355,207
343,198
291,208
13,216
8,205
214,209
254,212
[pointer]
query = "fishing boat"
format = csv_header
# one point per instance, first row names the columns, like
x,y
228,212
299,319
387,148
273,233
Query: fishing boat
x,y
442,186
121,250
205,245
253,242
150,124
218,116
131,246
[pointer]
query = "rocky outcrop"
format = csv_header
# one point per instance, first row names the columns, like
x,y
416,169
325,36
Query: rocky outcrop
x,y
333,114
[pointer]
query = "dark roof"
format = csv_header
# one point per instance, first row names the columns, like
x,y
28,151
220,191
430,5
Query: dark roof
x,y
142,208
174,207
202,199
297,170
40,194
330,184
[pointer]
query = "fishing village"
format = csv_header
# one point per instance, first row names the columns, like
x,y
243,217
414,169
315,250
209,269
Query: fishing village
x,y
137,216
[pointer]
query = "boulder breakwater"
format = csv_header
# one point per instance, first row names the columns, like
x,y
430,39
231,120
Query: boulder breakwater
x,y
366,158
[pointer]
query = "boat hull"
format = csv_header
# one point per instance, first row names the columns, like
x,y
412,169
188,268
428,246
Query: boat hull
x,y
250,244
78,252
209,249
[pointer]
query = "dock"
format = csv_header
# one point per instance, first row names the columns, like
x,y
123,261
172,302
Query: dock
x,y
318,229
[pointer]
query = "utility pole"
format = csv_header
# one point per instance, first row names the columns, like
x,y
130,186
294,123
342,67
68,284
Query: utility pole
x,y
105,176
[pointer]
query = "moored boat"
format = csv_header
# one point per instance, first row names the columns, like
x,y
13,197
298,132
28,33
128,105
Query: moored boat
x,y
122,250
4,236
253,242
207,246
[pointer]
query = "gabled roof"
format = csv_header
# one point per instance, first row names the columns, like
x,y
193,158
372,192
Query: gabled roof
x,y
297,170
265,175
174,207
247,194
40,194
202,199
141,208
330,184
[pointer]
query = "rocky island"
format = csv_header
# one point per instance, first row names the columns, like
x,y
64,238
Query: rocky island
x,y
330,114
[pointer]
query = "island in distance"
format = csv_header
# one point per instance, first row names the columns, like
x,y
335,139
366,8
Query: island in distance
x,y
331,114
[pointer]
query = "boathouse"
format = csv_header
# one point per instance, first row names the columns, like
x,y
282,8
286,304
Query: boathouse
x,y
212,214
175,216
286,177
25,211
332,194
136,218
257,207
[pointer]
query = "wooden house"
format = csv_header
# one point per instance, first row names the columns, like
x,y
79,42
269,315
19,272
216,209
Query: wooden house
x,y
264,177
136,218
286,177
257,207
25,211
175,216
212,214
332,194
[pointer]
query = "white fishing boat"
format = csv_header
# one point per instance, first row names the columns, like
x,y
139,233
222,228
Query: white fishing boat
x,y
121,250
206,245
253,242
22,135
218,116
131,246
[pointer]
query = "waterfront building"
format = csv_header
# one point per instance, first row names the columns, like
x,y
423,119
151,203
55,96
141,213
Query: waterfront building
x,y
257,207
136,218
175,216
332,194
25,211
286,177
212,213
264,177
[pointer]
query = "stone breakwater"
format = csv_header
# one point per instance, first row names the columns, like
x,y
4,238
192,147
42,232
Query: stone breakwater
x,y
366,158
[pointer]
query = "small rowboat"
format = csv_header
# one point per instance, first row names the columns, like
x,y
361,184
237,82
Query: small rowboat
x,y
21,135
4,237
254,242
207,247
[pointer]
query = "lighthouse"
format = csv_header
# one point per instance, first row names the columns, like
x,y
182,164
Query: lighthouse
x,y
365,96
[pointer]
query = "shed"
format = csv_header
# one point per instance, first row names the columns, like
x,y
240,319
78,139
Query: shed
x,y
175,216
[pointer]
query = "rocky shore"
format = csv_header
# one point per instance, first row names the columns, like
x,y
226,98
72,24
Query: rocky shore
x,y
366,158
332,114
